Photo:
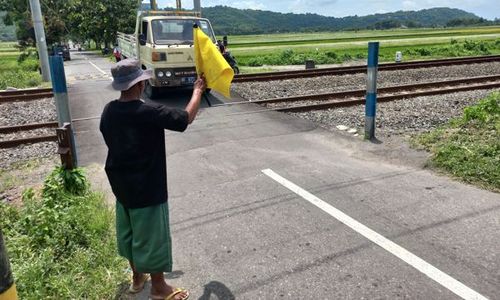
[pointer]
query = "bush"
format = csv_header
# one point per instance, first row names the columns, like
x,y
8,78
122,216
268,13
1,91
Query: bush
x,y
360,56
61,242
30,65
346,57
486,111
27,54
331,54
255,62
19,79
287,54
469,147
423,51
19,71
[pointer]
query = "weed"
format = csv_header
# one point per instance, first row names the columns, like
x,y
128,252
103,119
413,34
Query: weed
x,y
469,147
19,70
61,241
7,182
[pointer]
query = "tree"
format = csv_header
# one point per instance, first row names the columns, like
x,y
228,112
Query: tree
x,y
77,19
100,21
19,14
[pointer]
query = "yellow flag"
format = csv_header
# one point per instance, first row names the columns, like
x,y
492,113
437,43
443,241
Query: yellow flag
x,y
211,63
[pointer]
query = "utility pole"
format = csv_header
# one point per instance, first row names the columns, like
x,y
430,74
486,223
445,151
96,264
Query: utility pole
x,y
41,44
153,5
197,5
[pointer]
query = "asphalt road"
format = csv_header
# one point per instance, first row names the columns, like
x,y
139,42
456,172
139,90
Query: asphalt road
x,y
267,206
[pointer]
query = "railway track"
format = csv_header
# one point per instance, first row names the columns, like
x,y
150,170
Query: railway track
x,y
11,143
25,95
357,97
362,69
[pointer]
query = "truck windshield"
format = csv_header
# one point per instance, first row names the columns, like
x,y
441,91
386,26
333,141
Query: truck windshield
x,y
167,32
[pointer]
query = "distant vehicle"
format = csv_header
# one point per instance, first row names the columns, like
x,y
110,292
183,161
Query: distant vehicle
x,y
61,50
222,45
163,43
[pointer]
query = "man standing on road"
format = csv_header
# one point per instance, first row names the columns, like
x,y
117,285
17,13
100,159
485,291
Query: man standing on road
x,y
136,169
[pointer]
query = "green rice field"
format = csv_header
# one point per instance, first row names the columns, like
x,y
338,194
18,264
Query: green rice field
x,y
350,36
342,47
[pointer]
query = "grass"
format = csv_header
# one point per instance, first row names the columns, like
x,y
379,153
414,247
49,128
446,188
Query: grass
x,y
18,70
7,181
250,40
340,47
61,241
294,56
335,38
9,45
468,148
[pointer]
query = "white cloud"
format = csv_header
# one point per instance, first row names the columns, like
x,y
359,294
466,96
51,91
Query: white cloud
x,y
409,5
297,6
250,5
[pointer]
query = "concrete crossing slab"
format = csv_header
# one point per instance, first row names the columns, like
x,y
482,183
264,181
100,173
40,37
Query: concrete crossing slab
x,y
240,235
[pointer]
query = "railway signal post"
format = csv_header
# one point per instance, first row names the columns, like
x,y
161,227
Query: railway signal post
x,y
371,91
60,91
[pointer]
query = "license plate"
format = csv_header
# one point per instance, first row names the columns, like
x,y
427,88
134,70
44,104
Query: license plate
x,y
188,80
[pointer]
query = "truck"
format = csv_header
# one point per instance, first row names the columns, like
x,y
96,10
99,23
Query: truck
x,y
163,43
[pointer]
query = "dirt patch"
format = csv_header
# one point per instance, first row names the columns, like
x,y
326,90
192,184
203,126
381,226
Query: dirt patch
x,y
20,176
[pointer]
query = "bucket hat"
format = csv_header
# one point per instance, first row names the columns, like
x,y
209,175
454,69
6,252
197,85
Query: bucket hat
x,y
127,73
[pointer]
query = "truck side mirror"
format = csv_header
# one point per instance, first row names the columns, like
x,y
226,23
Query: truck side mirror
x,y
224,41
142,39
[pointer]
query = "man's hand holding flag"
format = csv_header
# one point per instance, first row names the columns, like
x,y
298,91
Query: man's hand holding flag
x,y
210,62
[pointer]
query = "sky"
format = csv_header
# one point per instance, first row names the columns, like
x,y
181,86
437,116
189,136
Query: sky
x,y
488,9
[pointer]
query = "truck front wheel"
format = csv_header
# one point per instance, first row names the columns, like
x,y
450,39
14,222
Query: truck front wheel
x,y
151,91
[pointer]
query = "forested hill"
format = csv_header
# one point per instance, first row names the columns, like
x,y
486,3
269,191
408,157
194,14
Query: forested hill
x,y
228,20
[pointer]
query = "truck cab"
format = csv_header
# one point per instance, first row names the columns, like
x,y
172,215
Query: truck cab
x,y
163,43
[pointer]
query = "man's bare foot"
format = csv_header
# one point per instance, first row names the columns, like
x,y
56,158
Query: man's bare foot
x,y
138,282
160,289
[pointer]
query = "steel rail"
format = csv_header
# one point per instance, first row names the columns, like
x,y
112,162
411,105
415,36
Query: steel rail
x,y
391,89
386,98
362,69
24,91
24,127
25,95
32,140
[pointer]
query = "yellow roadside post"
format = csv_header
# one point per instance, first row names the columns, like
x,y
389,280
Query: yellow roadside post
x,y
7,286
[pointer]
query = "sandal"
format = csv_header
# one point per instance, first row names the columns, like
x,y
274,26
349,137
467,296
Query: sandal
x,y
134,289
172,295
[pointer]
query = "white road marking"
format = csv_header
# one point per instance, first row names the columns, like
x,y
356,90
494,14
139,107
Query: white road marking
x,y
98,69
437,275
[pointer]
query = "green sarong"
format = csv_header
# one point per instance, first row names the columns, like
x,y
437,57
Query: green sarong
x,y
143,236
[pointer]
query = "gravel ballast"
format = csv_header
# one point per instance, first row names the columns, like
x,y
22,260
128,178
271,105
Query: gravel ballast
x,y
328,84
401,117
19,113
26,152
